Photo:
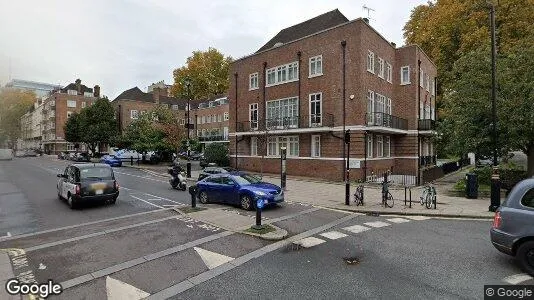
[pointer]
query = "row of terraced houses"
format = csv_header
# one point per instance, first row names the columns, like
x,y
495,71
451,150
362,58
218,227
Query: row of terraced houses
x,y
301,90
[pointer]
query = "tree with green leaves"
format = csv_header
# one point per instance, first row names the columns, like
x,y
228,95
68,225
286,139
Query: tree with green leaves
x,y
217,153
208,73
14,104
94,125
467,115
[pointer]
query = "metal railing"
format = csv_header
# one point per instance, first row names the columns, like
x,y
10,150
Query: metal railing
x,y
307,121
428,160
426,124
386,120
213,138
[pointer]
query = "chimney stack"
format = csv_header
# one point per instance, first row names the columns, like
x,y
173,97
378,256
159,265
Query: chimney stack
x,y
394,45
79,86
366,20
155,94
96,91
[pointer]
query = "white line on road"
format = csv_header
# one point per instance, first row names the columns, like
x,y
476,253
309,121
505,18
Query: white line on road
x,y
309,242
140,177
146,201
377,224
398,220
517,278
356,228
333,235
153,196
116,290
212,259
418,218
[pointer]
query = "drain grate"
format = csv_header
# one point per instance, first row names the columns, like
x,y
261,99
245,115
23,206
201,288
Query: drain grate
x,y
351,260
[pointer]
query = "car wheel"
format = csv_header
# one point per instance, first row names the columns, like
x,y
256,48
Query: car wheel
x,y
525,257
113,201
246,202
203,198
71,202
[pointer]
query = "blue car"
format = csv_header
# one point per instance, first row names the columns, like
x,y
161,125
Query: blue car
x,y
111,160
238,188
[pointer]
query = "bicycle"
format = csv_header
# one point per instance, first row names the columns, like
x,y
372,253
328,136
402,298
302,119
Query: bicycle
x,y
387,198
358,195
428,197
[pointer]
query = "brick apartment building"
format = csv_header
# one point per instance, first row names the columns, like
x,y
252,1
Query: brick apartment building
x,y
315,79
132,103
57,108
211,118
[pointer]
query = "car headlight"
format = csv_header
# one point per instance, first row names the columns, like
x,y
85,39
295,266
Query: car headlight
x,y
260,193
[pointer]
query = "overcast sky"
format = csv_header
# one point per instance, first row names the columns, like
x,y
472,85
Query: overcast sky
x,y
119,44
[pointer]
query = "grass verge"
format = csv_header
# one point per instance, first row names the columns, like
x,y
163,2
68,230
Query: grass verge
x,y
187,210
264,230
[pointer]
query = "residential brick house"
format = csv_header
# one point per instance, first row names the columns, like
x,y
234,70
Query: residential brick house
x,y
312,81
57,108
211,118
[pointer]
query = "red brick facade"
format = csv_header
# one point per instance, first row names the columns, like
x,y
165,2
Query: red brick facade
x,y
211,121
395,120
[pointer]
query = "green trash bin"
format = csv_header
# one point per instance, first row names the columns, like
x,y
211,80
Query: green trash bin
x,y
471,186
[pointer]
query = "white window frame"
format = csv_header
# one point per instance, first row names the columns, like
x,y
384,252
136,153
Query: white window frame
x,y
134,114
281,74
315,66
370,61
315,120
421,78
381,67
433,87
253,146
203,120
83,104
387,146
379,146
279,120
369,145
70,102
182,121
404,80
226,116
208,119
427,83
389,73
253,82
175,107
203,131
388,106
315,145
72,92
276,142
370,106
253,123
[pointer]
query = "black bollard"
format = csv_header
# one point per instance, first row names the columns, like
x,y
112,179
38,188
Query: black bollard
x,y
259,206
193,193
131,160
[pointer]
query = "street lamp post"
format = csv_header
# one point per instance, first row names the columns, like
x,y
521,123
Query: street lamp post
x,y
188,85
495,180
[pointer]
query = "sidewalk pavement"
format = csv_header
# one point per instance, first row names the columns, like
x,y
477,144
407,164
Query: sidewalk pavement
x,y
332,195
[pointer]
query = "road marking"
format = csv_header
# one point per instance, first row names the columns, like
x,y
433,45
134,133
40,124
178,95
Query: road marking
x,y
309,242
117,290
333,235
42,266
356,228
142,177
212,259
398,220
517,278
153,196
377,224
146,201
418,218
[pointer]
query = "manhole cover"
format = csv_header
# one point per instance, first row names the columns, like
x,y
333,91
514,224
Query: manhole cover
x,y
351,260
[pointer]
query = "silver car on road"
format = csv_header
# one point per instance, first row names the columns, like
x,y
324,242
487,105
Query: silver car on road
x,y
513,225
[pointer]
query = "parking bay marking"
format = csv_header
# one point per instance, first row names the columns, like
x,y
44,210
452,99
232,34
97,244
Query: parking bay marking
x,y
517,278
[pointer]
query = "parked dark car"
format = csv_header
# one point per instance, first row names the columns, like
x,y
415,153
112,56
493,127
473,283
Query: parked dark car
x,y
238,188
513,225
208,171
82,157
111,160
63,155
87,183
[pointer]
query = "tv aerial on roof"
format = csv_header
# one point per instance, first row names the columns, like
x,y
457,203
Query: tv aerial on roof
x,y
368,9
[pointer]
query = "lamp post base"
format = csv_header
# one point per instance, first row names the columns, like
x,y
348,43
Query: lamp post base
x,y
495,190
257,227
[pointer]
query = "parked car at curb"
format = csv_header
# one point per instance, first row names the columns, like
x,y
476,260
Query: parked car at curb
x,y
111,160
238,188
208,171
87,183
82,157
512,231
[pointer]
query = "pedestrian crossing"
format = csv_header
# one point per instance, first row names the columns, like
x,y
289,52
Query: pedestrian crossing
x,y
355,229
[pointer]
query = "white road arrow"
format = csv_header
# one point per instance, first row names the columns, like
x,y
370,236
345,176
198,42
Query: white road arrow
x,y
117,290
212,259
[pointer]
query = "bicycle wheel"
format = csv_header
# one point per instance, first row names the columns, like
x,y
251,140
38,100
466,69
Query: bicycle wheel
x,y
389,200
428,201
422,197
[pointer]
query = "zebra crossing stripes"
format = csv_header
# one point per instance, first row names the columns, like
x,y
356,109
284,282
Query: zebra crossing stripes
x,y
377,224
333,235
398,220
356,228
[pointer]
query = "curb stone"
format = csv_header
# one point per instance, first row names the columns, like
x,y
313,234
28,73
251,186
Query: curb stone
x,y
377,212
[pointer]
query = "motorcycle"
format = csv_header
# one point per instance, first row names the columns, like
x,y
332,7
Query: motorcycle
x,y
178,180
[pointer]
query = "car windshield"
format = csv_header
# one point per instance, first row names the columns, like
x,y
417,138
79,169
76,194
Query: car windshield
x,y
96,173
246,179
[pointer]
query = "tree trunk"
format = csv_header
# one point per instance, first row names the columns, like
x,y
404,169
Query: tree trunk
x,y
530,161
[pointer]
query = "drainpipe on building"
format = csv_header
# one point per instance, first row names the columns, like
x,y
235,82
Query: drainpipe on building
x,y
343,172
235,115
417,121
299,54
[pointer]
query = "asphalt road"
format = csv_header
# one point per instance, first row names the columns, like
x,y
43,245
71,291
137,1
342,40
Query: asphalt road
x,y
140,247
